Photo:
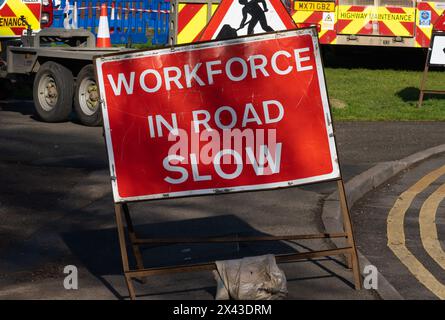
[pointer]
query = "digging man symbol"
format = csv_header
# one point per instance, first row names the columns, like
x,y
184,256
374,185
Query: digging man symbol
x,y
253,8
248,8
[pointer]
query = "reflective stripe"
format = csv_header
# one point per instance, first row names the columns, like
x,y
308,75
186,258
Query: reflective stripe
x,y
104,31
355,19
327,29
10,13
423,31
371,20
192,18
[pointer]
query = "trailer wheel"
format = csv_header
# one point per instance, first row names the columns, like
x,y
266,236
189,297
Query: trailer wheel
x,y
86,98
53,92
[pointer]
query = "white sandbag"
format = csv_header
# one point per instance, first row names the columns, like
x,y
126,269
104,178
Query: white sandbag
x,y
252,278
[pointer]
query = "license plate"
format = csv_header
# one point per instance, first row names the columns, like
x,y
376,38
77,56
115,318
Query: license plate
x,y
314,6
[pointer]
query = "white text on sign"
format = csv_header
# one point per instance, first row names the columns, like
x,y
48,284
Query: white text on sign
x,y
152,80
226,116
217,149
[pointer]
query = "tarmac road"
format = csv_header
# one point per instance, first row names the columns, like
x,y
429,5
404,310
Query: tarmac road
x,y
56,209
400,228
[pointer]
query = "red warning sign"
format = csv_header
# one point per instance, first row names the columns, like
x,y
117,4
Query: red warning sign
x,y
217,117
235,18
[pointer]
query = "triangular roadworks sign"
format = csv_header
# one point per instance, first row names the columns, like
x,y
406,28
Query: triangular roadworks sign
x,y
235,18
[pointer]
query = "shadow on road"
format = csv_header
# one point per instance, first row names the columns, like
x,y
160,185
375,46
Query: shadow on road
x,y
98,250
24,107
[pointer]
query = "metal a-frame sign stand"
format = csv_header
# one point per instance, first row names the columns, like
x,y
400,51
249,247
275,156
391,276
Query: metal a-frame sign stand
x,y
123,218
140,271
426,69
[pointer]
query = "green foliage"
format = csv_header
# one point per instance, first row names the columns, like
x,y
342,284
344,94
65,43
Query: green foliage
x,y
373,94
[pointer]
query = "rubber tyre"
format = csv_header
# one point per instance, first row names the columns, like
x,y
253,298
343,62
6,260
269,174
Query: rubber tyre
x,y
64,82
86,116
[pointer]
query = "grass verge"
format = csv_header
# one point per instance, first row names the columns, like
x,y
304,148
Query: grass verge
x,y
373,95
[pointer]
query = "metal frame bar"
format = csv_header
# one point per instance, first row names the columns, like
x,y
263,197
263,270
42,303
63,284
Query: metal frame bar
x,y
425,76
140,272
238,239
422,85
285,258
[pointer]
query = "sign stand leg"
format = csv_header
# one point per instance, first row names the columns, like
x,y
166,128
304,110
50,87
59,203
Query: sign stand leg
x,y
422,83
118,208
429,63
122,211
133,240
352,258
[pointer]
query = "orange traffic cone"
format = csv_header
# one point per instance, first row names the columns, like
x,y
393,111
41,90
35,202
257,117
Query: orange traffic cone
x,y
103,34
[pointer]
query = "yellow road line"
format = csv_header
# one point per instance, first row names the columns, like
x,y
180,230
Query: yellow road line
x,y
396,234
428,230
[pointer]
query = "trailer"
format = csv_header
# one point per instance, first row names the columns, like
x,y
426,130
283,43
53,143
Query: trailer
x,y
61,62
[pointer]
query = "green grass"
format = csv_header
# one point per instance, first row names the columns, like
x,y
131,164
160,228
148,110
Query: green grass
x,y
374,95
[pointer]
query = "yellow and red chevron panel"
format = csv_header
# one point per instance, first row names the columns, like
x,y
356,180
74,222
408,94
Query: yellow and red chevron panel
x,y
192,18
306,14
371,20
12,10
355,19
427,15
396,21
